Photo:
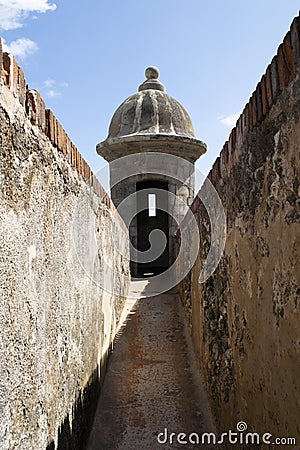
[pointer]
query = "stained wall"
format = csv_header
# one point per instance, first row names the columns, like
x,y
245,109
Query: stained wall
x,y
63,284
245,318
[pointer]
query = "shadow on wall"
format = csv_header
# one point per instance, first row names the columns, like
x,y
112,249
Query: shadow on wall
x,y
74,432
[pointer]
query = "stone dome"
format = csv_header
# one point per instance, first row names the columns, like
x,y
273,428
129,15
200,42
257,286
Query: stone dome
x,y
150,115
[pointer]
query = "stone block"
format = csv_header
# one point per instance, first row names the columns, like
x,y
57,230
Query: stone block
x,y
245,118
91,179
258,99
21,87
253,106
225,152
283,72
50,125
250,114
238,132
83,168
295,39
6,58
289,57
60,134
196,204
64,142
274,78
269,87
90,173
56,125
264,99
223,163
232,143
31,107
11,72
35,109
14,76
79,163
97,187
73,155
239,126
217,169
68,148
41,116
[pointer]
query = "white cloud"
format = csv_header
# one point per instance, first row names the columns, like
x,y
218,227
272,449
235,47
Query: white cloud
x,y
53,88
52,93
229,121
14,12
21,48
49,83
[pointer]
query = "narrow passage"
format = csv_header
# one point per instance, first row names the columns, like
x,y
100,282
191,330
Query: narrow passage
x,y
152,382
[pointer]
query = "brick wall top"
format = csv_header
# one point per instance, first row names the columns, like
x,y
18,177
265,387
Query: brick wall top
x,y
281,72
34,107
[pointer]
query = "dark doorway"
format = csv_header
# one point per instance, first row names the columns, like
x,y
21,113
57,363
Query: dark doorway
x,y
152,202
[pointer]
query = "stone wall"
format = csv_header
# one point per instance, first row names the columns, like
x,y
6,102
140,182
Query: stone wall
x,y
58,317
245,318
127,172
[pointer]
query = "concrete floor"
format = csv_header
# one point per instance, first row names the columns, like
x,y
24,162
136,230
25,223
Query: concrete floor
x,y
152,383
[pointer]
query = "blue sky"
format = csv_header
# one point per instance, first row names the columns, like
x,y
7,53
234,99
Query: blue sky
x,y
85,58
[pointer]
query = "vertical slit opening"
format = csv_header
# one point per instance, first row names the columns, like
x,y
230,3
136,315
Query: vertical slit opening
x,y
152,205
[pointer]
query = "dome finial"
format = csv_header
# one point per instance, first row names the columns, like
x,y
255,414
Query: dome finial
x,y
152,82
152,73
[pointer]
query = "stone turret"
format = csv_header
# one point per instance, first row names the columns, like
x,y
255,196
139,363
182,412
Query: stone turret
x,y
151,129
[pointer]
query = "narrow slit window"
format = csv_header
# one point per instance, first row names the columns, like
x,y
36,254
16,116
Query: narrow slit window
x,y
152,205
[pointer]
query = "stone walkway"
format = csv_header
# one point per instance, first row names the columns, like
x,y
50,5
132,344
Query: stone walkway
x,y
152,383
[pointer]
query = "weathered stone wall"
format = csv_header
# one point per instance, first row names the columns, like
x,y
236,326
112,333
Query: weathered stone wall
x,y
176,172
56,323
245,318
